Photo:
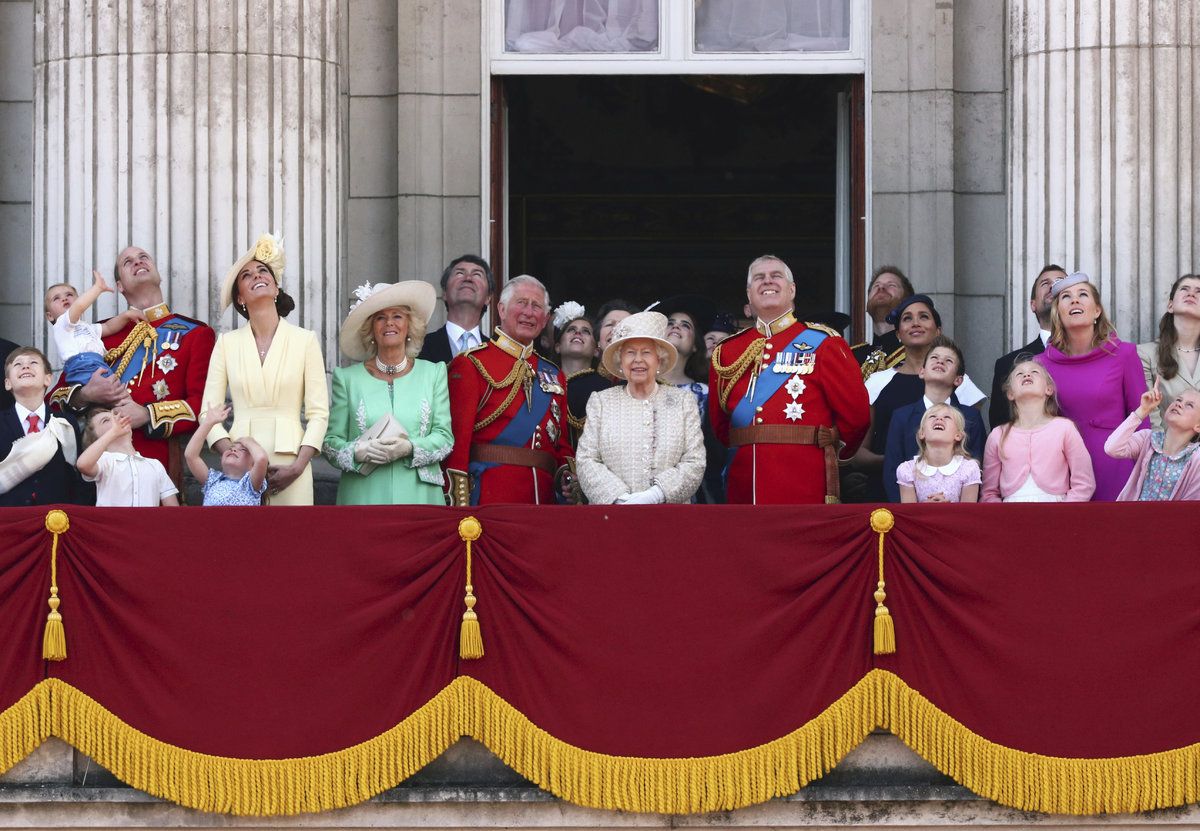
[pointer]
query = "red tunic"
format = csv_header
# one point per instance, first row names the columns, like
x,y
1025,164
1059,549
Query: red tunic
x,y
478,391
170,384
833,394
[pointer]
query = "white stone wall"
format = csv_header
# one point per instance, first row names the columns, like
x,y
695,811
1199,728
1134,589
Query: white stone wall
x,y
1104,126
937,162
415,138
189,127
16,168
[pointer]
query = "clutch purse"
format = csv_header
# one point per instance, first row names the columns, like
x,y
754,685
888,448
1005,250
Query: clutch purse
x,y
386,428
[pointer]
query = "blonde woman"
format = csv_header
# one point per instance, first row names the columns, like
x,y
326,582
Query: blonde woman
x,y
389,426
273,372
1097,375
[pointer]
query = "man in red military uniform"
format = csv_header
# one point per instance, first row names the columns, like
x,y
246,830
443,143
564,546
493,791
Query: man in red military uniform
x,y
786,397
508,409
162,364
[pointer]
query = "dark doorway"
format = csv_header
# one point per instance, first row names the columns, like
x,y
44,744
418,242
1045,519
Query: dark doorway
x,y
641,187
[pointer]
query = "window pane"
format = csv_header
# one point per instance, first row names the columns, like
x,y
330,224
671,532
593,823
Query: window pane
x,y
772,25
543,26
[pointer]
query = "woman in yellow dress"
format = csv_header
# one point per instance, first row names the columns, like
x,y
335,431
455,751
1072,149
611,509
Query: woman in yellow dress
x,y
274,374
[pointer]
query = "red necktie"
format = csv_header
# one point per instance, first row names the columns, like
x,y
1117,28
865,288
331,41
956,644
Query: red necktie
x,y
33,420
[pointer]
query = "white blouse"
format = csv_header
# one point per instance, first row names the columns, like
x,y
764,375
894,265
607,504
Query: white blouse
x,y
629,444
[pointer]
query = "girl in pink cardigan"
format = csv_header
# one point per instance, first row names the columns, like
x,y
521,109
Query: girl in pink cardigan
x,y
1038,456
1167,466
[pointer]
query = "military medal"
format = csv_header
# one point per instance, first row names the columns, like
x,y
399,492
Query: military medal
x,y
549,384
171,344
552,425
807,364
794,410
166,362
794,387
160,388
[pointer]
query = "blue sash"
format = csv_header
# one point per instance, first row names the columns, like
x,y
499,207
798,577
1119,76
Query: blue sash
x,y
170,331
519,430
769,382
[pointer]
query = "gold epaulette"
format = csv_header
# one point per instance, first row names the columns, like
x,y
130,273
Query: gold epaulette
x,y
880,360
821,327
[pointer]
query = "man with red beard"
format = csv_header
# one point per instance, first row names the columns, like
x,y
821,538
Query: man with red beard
x,y
785,396
888,287
508,410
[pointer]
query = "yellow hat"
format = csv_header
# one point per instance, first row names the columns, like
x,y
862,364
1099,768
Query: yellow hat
x,y
268,251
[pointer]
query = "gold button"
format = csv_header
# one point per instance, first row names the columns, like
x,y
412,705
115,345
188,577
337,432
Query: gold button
x,y
758,409
767,345
758,421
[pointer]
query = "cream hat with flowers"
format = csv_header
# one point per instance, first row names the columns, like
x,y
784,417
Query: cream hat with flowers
x,y
641,326
415,294
267,250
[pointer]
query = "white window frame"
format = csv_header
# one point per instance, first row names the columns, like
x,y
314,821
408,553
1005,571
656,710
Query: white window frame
x,y
677,55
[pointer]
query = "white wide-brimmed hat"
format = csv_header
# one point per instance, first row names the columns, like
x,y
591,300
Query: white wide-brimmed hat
x,y
641,326
267,250
415,294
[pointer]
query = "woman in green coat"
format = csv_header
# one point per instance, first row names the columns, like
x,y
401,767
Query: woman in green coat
x,y
389,416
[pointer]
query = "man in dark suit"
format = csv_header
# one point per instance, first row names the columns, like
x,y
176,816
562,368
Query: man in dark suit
x,y
1039,304
467,287
39,470
6,348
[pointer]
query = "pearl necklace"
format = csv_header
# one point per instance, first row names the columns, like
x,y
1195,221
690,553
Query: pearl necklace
x,y
1181,349
391,369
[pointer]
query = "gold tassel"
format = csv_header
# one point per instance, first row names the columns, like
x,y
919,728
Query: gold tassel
x,y
882,521
470,637
54,640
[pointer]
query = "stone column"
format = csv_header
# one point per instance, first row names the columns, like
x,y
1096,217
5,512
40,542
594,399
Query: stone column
x,y
1103,131
188,128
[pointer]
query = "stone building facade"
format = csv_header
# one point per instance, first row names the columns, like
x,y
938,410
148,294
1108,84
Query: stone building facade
x,y
996,136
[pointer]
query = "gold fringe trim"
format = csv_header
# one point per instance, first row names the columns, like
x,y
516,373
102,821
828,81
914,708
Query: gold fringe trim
x,y
1029,781
256,787
264,787
672,786
24,726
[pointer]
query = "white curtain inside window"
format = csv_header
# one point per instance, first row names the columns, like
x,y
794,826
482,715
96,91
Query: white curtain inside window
x,y
581,25
772,25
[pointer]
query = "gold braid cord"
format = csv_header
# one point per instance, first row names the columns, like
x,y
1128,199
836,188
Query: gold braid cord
x,y
514,381
728,375
140,332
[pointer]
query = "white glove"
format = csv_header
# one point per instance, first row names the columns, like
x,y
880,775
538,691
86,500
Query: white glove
x,y
652,495
394,448
369,450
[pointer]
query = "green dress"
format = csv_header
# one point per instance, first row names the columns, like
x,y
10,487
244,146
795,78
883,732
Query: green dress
x,y
419,401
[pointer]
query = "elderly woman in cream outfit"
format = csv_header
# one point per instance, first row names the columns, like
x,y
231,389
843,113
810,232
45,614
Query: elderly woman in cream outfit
x,y
641,443
274,373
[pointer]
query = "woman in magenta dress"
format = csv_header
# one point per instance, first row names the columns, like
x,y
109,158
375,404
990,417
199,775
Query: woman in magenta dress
x,y
1098,376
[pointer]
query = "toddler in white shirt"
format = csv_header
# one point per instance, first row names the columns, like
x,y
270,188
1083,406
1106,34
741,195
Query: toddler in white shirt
x,y
80,344
124,478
